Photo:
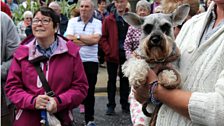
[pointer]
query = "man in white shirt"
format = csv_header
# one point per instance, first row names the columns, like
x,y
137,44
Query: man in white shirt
x,y
86,32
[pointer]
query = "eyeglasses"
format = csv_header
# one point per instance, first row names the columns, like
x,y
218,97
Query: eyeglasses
x,y
43,21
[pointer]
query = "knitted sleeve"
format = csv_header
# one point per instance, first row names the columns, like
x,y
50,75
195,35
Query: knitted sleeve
x,y
207,108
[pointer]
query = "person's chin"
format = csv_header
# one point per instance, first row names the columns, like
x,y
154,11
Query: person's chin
x,y
40,35
120,11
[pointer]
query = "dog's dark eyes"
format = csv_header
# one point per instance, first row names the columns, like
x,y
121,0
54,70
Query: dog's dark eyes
x,y
148,28
166,28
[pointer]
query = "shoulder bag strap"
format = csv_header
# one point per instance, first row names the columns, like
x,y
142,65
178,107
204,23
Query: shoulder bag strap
x,y
43,80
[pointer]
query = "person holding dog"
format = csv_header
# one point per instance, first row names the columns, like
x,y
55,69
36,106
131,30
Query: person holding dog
x,y
131,43
200,98
61,65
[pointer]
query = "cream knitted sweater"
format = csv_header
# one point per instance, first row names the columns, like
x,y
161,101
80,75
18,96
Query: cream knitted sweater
x,y
202,71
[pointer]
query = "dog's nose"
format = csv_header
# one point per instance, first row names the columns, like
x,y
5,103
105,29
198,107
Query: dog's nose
x,y
156,40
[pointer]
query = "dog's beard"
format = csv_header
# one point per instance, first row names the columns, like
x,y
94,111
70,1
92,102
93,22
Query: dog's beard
x,y
158,52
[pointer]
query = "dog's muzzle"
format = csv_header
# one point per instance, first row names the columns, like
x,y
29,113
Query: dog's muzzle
x,y
156,40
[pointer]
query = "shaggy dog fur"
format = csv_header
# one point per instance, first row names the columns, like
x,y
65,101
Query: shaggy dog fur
x,y
156,44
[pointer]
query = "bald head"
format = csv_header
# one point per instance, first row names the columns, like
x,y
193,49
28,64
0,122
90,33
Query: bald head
x,y
56,7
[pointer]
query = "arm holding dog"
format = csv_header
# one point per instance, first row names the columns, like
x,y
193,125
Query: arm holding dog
x,y
200,96
177,99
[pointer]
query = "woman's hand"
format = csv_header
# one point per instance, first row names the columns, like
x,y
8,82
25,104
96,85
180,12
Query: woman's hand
x,y
152,75
51,106
141,93
41,101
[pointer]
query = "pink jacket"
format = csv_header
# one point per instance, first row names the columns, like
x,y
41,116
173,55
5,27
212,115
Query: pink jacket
x,y
64,72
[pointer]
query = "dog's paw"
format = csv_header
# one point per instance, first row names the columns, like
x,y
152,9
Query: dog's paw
x,y
169,78
136,70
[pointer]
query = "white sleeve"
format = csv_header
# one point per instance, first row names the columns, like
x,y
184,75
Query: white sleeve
x,y
208,108
70,28
98,27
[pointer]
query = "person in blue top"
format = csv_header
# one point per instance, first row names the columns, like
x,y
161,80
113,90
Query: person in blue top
x,y
13,6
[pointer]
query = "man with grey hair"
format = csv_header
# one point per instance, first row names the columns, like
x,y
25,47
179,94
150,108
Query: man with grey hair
x,y
86,32
63,19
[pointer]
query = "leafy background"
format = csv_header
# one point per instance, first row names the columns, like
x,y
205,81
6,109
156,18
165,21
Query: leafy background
x,y
35,5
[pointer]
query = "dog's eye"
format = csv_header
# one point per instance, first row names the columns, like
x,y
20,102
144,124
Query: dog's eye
x,y
148,29
166,28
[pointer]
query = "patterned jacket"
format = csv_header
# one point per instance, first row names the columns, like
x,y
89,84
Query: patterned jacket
x,y
132,40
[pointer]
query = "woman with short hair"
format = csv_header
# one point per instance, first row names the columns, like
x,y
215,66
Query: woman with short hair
x,y
62,67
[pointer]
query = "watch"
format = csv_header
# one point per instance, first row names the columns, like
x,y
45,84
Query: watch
x,y
78,37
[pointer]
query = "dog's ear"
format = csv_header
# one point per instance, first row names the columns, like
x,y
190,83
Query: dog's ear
x,y
180,14
133,19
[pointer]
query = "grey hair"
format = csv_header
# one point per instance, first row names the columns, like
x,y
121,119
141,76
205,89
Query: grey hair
x,y
54,3
27,14
143,3
92,3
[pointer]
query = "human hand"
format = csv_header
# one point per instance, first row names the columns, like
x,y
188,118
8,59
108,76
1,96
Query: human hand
x,y
51,106
41,101
152,77
158,67
141,93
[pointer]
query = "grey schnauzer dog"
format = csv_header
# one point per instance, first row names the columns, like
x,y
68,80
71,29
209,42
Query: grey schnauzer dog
x,y
157,46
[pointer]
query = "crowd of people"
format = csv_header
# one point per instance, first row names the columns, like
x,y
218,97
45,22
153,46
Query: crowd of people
x,y
98,36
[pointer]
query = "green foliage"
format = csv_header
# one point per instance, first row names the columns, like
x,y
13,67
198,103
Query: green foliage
x,y
34,5
31,6
66,8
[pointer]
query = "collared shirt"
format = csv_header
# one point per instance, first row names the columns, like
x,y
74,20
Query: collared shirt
x,y
210,29
88,53
49,51
90,21
97,14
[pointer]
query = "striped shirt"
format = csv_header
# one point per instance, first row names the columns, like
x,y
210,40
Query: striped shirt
x,y
77,26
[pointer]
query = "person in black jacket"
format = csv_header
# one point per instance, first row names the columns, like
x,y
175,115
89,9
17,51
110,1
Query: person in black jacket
x,y
63,19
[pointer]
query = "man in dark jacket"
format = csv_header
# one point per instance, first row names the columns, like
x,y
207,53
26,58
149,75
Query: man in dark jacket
x,y
63,19
112,42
